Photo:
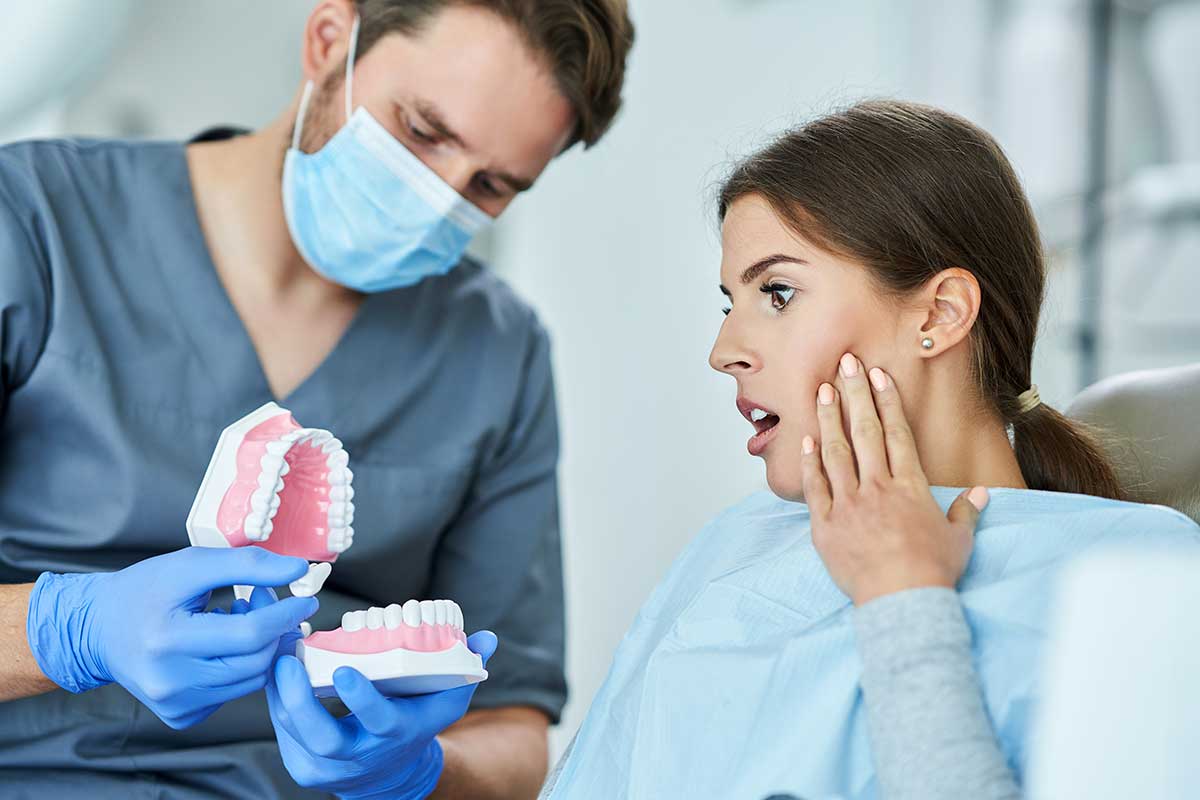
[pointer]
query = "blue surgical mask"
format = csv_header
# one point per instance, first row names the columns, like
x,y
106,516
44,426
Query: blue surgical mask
x,y
365,212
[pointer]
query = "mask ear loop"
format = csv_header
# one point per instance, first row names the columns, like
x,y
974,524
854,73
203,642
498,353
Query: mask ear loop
x,y
350,55
301,114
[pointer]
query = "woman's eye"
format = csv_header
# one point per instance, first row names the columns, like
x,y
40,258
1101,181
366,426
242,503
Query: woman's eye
x,y
780,295
726,310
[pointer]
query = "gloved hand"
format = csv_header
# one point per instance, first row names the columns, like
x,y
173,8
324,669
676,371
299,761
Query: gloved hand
x,y
385,747
145,628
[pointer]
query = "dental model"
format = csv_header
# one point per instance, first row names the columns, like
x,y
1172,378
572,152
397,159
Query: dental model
x,y
416,648
276,485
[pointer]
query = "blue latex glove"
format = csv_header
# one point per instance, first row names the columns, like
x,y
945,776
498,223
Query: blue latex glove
x,y
385,747
145,628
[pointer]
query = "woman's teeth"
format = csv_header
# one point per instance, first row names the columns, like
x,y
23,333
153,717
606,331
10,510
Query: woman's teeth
x,y
758,415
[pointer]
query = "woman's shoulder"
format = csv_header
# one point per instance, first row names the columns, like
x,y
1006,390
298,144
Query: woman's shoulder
x,y
1101,516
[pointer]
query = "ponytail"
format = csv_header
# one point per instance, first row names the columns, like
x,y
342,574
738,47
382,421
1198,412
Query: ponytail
x,y
1059,454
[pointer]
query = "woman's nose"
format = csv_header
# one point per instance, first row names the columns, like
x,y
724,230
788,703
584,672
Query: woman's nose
x,y
730,356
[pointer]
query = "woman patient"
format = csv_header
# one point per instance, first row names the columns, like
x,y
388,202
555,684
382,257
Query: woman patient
x,y
837,637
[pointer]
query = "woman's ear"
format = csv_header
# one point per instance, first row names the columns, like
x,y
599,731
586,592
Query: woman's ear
x,y
947,308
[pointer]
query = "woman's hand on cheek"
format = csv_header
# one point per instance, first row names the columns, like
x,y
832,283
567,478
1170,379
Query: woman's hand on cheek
x,y
875,523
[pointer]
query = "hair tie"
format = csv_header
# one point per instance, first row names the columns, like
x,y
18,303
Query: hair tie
x,y
1028,399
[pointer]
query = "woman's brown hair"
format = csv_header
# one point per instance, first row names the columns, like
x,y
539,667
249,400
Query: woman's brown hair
x,y
908,190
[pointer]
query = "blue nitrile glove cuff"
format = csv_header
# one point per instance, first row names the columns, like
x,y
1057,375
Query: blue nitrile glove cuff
x,y
420,780
59,631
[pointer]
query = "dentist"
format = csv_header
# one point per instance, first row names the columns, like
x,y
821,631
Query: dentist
x,y
150,293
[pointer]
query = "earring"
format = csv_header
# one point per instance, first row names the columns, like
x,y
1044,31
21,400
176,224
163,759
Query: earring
x,y
927,343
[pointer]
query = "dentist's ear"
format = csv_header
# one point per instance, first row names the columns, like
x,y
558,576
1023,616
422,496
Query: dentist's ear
x,y
946,309
327,38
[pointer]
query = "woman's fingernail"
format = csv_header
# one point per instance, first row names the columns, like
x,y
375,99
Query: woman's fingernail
x,y
808,444
825,394
878,379
978,497
849,365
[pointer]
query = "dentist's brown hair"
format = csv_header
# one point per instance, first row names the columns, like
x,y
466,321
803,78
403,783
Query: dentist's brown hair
x,y
583,42
908,190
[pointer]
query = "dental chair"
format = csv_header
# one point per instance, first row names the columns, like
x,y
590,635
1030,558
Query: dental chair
x,y
1150,421
1120,716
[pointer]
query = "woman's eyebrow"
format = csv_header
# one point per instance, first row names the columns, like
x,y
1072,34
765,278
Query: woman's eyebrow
x,y
759,267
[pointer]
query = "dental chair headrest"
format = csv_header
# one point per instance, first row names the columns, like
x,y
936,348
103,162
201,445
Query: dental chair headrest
x,y
1153,419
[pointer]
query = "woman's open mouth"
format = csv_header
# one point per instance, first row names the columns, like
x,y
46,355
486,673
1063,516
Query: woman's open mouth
x,y
765,422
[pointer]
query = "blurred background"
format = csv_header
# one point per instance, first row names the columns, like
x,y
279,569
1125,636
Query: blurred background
x,y
1095,102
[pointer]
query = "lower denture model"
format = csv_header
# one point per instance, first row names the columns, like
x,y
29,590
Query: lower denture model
x,y
416,648
276,485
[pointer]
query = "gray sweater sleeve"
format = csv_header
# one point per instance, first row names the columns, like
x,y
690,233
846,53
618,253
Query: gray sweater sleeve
x,y
931,738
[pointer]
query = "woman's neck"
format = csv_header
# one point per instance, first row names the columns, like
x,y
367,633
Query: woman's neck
x,y
960,448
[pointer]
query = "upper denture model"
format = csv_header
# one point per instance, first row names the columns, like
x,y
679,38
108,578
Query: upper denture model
x,y
274,484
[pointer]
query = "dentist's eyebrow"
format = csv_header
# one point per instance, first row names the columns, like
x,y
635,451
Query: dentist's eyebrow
x,y
433,117
763,264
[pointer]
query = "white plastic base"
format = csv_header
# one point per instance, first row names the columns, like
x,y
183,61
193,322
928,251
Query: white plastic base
x,y
396,673
222,470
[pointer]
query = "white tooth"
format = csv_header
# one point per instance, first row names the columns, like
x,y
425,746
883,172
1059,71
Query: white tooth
x,y
292,436
270,463
428,615
331,445
305,629
393,615
253,529
340,494
318,437
259,501
458,617
278,448
278,486
758,415
412,613
274,502
267,527
337,460
439,612
374,617
338,477
267,481
349,510
353,621
312,581
285,469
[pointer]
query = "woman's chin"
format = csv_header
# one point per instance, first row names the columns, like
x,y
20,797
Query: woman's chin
x,y
786,481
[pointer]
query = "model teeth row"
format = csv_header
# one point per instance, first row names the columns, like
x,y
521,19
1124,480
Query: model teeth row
x,y
264,502
413,614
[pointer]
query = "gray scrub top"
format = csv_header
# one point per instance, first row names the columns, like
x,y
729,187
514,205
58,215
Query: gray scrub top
x,y
122,358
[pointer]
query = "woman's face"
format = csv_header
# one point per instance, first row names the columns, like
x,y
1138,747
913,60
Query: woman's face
x,y
793,311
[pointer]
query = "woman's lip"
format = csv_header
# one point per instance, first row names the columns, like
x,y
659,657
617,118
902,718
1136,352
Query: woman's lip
x,y
759,441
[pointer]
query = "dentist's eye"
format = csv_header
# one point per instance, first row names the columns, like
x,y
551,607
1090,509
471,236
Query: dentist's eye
x,y
421,135
780,295
488,187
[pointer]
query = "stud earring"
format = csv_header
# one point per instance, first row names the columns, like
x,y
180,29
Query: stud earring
x,y
927,343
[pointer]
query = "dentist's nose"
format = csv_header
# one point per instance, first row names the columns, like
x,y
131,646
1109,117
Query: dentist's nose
x,y
456,169
730,355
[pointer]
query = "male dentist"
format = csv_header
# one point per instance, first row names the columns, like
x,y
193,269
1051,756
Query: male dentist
x,y
152,293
